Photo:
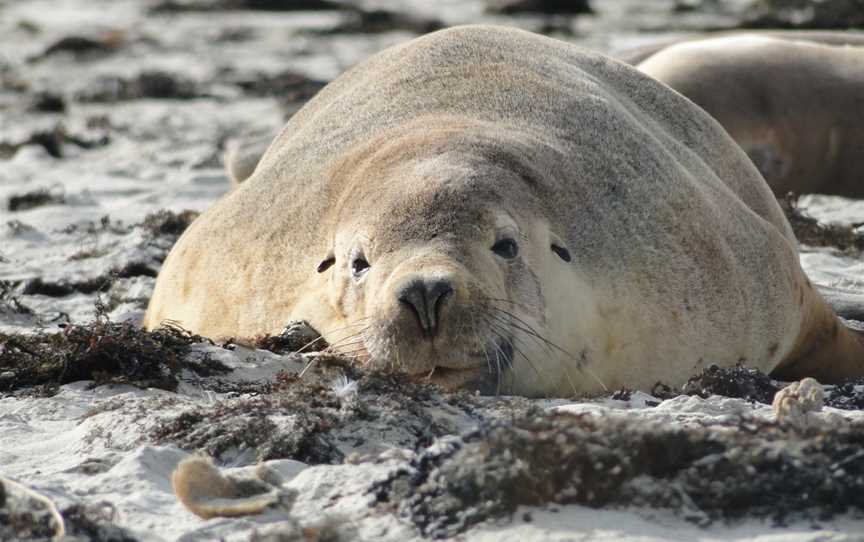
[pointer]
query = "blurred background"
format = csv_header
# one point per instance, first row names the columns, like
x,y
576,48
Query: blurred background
x,y
60,52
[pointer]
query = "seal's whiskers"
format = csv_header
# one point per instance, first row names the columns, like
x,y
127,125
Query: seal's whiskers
x,y
513,340
361,321
525,327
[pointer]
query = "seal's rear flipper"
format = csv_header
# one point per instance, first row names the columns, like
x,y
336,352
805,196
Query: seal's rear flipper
x,y
830,346
242,156
847,304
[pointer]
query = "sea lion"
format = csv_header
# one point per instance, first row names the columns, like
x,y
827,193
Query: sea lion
x,y
796,107
635,55
490,208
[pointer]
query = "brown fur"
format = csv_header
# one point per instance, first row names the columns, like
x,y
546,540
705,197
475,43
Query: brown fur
x,y
796,107
636,55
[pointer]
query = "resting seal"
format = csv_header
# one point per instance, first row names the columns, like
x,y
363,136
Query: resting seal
x,y
794,102
491,208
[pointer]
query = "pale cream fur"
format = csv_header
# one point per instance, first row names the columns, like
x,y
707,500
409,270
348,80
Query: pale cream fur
x,y
422,158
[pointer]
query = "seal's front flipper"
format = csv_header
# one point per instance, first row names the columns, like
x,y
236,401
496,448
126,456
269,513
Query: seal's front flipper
x,y
242,156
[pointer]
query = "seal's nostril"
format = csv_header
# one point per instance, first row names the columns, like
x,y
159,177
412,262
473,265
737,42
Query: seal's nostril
x,y
436,292
425,298
411,294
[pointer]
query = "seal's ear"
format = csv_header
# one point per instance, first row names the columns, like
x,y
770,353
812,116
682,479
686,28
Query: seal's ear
x,y
327,263
558,247
562,252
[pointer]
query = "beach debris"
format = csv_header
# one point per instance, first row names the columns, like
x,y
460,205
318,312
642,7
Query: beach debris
x,y
795,401
714,470
208,493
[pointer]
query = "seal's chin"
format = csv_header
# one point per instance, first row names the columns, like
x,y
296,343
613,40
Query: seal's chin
x,y
485,373
450,379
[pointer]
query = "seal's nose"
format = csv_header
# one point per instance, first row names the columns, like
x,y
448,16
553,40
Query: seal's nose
x,y
425,298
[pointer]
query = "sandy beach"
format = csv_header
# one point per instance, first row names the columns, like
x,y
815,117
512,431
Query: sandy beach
x,y
114,116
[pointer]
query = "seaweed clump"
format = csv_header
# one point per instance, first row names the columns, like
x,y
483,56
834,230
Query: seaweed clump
x,y
846,396
52,141
155,84
753,385
166,222
274,427
36,198
373,21
739,382
548,7
756,468
809,231
173,6
298,336
312,419
103,351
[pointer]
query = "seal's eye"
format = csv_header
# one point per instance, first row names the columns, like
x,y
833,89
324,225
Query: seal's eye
x,y
359,266
326,264
506,248
562,252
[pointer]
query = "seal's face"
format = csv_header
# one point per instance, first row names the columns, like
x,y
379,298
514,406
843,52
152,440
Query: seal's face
x,y
445,283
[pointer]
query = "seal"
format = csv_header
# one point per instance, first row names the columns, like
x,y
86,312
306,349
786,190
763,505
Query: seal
x,y
794,102
488,208
636,55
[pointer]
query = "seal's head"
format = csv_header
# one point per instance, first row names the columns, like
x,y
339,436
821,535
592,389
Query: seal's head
x,y
448,279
